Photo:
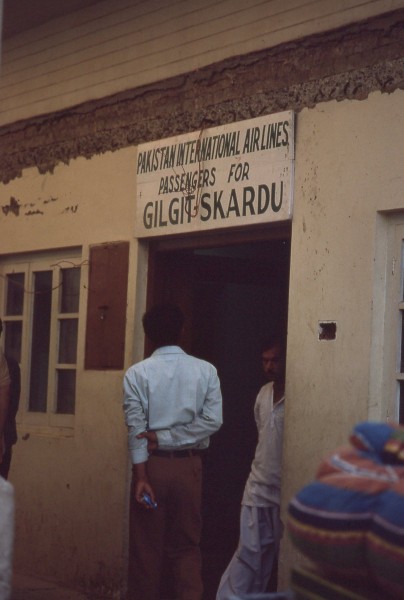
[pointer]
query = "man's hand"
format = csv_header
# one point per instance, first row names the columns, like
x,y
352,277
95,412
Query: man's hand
x,y
152,441
142,484
143,487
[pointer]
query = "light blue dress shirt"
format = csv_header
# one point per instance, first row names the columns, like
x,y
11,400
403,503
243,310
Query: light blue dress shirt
x,y
174,394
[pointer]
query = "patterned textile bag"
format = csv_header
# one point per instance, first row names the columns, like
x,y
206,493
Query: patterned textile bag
x,y
350,520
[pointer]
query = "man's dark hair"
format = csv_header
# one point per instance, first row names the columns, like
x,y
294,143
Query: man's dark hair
x,y
270,341
163,324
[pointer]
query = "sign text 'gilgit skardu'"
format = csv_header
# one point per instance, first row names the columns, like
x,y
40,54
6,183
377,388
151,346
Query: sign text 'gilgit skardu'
x,y
237,174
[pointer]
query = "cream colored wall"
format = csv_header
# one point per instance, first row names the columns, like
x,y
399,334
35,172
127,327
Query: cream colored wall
x,y
71,485
121,44
80,203
348,167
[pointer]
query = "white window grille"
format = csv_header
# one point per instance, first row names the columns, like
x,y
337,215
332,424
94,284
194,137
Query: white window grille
x,y
41,295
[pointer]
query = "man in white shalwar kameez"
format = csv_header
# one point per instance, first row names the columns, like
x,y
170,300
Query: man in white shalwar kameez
x,y
250,568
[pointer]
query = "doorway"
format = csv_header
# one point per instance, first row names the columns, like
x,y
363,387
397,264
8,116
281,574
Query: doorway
x,y
234,292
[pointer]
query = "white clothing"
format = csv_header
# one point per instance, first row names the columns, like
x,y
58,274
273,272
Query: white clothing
x,y
260,525
251,566
264,482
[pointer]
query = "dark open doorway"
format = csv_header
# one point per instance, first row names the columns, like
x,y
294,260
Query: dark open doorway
x,y
233,296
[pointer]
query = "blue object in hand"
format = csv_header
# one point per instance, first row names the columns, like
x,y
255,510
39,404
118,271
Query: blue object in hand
x,y
146,498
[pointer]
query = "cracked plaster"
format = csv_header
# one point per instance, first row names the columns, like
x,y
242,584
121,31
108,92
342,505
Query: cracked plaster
x,y
347,63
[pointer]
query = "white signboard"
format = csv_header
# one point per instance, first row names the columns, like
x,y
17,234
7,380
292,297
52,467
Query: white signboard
x,y
237,174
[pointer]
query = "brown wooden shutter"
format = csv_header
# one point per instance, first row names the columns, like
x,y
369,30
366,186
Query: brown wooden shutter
x,y
106,309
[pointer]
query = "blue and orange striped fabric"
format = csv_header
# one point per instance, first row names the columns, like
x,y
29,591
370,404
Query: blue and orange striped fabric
x,y
350,520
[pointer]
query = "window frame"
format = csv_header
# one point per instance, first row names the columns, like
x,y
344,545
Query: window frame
x,y
397,268
29,264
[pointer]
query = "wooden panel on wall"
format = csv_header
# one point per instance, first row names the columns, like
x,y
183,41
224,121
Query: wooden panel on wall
x,y
118,45
106,309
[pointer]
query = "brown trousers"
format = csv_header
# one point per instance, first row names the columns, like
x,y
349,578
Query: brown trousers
x,y
170,534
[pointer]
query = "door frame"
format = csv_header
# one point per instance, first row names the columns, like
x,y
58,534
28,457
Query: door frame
x,y
154,260
157,246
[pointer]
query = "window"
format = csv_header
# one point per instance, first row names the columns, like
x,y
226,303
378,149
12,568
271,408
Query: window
x,y
41,314
386,387
398,274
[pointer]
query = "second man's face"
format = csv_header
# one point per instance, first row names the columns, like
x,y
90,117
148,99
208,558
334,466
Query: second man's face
x,y
273,364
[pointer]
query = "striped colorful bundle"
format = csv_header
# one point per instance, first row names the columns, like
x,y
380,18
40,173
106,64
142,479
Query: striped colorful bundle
x,y
350,520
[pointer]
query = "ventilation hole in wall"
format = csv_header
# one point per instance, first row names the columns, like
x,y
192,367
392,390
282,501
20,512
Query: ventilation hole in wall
x,y
327,330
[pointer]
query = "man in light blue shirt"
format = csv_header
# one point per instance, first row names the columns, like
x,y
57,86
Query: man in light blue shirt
x,y
172,404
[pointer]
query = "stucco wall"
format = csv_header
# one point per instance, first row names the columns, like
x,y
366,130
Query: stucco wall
x,y
348,168
82,203
71,484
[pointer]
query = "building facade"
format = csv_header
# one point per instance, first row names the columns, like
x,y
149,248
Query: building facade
x,y
299,223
